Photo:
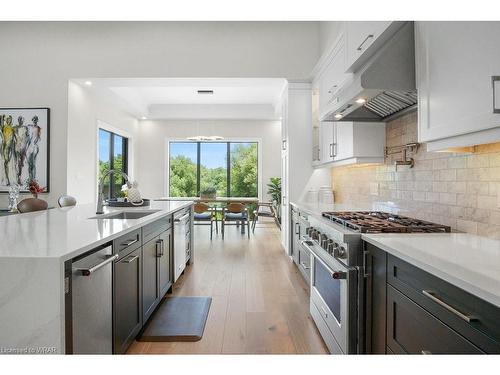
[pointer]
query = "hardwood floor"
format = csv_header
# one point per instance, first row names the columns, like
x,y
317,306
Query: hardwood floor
x,y
260,303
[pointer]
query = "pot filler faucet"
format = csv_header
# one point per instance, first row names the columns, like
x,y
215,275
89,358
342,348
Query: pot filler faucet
x,y
100,189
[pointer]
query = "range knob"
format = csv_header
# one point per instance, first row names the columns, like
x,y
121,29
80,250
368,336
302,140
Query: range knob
x,y
340,252
309,231
316,234
322,240
329,246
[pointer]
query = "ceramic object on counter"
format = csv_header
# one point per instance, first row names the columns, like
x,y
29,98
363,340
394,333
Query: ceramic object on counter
x,y
325,195
32,204
312,196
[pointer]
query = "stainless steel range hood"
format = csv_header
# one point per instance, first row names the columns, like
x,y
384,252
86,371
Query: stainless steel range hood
x,y
384,87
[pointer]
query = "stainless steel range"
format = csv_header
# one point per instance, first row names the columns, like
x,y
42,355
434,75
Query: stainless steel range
x,y
337,270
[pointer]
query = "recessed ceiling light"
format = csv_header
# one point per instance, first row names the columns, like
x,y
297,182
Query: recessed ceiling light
x,y
361,100
338,115
144,118
88,83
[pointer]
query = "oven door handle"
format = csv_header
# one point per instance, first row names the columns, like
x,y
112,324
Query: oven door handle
x,y
338,275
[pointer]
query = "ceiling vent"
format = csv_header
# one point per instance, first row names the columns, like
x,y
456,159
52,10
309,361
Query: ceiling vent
x,y
206,92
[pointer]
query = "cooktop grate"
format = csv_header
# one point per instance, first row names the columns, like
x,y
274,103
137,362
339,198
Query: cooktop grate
x,y
383,222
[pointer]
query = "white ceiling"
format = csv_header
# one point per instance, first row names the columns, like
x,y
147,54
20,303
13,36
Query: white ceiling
x,y
178,98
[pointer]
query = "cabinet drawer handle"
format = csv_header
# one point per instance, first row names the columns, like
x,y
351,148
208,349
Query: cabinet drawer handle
x,y
297,228
331,89
325,314
131,259
430,294
159,248
331,150
364,41
130,242
304,266
283,144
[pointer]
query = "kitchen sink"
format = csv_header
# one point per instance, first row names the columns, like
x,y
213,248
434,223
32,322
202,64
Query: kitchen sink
x,y
125,215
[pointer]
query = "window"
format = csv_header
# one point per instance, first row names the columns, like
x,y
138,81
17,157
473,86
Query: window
x,y
113,151
229,167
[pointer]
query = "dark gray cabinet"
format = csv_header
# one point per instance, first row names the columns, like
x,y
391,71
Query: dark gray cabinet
x,y
375,300
156,271
413,330
127,300
142,275
150,287
408,310
165,278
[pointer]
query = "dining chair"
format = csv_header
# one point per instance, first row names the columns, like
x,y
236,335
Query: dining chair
x,y
66,201
203,215
235,214
267,212
31,205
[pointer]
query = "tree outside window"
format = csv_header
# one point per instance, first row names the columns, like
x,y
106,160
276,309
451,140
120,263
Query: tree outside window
x,y
229,167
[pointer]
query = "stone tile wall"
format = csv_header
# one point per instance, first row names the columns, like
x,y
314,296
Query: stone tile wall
x,y
457,189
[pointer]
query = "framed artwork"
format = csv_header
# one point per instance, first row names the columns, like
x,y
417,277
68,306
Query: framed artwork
x,y
24,147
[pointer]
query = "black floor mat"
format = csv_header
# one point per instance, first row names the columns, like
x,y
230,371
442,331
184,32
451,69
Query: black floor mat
x,y
178,319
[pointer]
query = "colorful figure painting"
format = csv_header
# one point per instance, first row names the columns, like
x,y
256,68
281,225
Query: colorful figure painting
x,y
24,147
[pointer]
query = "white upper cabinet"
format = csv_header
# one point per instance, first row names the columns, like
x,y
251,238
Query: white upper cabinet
x,y
455,66
326,145
363,39
344,143
332,78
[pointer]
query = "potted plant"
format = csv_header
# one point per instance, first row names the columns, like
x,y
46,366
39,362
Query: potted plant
x,y
208,193
274,190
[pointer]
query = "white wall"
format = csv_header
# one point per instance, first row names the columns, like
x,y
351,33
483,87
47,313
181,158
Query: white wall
x,y
39,58
151,168
85,109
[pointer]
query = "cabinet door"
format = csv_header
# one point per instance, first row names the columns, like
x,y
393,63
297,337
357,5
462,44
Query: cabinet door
x,y
327,141
375,300
360,36
127,300
412,330
455,62
165,262
332,79
295,230
150,286
343,141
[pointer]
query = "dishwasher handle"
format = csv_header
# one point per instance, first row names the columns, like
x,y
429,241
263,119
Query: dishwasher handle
x,y
88,271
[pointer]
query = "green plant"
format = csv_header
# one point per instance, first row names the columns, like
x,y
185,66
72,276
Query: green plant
x,y
274,189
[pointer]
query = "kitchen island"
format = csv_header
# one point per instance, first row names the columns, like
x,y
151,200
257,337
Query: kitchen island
x,y
35,249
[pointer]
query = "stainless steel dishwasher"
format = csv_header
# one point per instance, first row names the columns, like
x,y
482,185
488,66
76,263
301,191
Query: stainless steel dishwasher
x,y
92,299
180,244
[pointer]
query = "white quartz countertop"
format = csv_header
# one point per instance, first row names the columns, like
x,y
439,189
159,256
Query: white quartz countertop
x,y
67,232
467,261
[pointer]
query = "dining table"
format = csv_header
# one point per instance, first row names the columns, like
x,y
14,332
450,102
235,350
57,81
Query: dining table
x,y
215,200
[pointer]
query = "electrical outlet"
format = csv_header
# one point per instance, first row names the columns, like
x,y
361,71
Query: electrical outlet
x,y
374,188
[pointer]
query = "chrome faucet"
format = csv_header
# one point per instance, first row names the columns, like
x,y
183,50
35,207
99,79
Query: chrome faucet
x,y
100,189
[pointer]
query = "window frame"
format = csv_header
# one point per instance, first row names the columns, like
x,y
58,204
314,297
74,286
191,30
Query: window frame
x,y
228,142
125,155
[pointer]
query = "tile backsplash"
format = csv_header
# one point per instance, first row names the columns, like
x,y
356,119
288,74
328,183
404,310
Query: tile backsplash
x,y
461,190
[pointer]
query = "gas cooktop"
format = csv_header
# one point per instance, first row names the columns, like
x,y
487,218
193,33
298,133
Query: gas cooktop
x,y
383,222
